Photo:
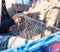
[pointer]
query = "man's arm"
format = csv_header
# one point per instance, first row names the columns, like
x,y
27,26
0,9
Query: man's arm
x,y
5,25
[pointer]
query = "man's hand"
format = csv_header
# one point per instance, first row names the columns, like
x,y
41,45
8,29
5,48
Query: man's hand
x,y
19,17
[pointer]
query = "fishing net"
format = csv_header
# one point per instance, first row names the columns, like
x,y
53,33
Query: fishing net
x,y
30,27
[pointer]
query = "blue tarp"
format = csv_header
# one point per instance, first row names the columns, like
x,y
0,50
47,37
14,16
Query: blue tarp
x,y
37,45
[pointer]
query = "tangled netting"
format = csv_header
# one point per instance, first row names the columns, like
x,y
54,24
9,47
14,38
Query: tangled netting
x,y
30,27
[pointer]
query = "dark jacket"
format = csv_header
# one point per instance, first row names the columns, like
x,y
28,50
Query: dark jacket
x,y
6,20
